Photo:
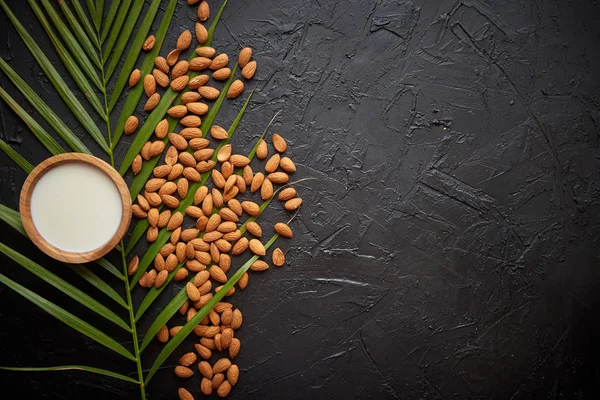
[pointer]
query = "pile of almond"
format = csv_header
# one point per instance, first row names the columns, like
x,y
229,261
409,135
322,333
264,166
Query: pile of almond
x,y
202,252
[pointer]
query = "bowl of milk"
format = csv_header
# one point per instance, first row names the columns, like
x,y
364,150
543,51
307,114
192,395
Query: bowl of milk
x,y
75,207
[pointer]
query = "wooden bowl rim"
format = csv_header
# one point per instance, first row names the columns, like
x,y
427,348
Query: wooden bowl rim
x,y
36,237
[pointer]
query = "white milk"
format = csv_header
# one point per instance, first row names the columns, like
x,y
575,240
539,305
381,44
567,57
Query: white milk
x,y
76,207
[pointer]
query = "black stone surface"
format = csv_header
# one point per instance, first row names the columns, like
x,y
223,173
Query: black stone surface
x,y
448,246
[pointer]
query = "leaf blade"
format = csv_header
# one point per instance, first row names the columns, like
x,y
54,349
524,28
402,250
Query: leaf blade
x,y
86,368
16,157
117,26
121,43
85,273
84,20
110,17
67,318
85,41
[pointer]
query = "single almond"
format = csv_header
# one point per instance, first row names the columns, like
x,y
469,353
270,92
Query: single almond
x,y
145,152
217,380
240,246
278,257
249,70
213,223
218,179
180,83
247,175
278,177
177,111
217,198
196,82
292,204
176,171
224,153
219,62
200,194
287,165
184,40
227,169
279,143
187,159
257,247
205,369
133,265
259,265
218,133
168,188
198,143
236,320
171,156
163,334
243,282
217,274
175,221
194,212
273,163
189,234
228,215
208,92
161,278
206,386
205,166
262,151
191,174
138,212
251,208
149,85
157,147
236,88
257,181
266,190
183,372
230,182
191,133
175,235
197,108
212,236
153,216
177,140
151,278
190,121
283,230
161,78
223,245
221,365
203,154
149,43
168,248
172,57
254,228
245,56
154,184
200,63
234,347
183,186
239,160
180,69
136,165
184,394
233,373
161,64
170,201
152,102
192,292
153,198
206,51
221,74
240,184
224,389
203,11
190,97
194,265
201,34
134,78
142,202
286,194
163,218
131,125
162,129
203,351
226,334
171,262
217,337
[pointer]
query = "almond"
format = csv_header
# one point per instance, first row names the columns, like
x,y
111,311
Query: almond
x,y
219,62
206,386
200,194
180,83
218,179
278,257
184,40
230,183
259,265
228,215
171,156
171,262
213,223
243,282
227,169
133,265
175,235
254,228
273,163
217,274
286,194
201,223
233,373
217,198
249,70
217,337
153,198
187,159
239,160
162,128
151,278
266,190
194,212
176,171
221,365
203,351
154,184
183,372
201,34
190,121
161,78
136,165
168,188
161,64
206,51
245,56
149,85
198,143
205,369
240,184
203,11
169,201
217,380
197,108
142,202
138,212
189,234
172,57
149,43
283,230
232,236
161,278
218,133
184,394
205,166
226,337
145,152
262,151
224,153
236,320
201,278
257,182
279,143
251,208
134,78
236,88
197,81
203,154
180,69
191,133
221,74
234,347
212,236
292,204
131,125
152,102
287,164
153,216
200,63
177,111
190,97
192,292
208,92
175,221
167,248
157,147
257,247
194,265
278,177
163,334
163,218
191,174
223,246
177,140
224,389
240,246
183,186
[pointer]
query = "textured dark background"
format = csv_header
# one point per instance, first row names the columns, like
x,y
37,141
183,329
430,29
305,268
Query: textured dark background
x,y
448,248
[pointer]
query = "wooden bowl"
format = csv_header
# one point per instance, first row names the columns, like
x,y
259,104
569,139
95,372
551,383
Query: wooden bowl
x,y
36,237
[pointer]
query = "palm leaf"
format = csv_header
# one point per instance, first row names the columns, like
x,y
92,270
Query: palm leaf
x,y
91,9
110,17
133,53
16,157
45,111
128,26
71,42
65,287
110,268
61,86
69,63
114,32
84,20
39,132
68,318
86,368
12,218
85,41
203,312
99,14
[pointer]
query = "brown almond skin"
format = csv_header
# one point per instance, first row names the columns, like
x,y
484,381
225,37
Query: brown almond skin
x,y
161,64
162,129
243,282
221,74
278,257
149,85
183,372
205,369
206,386
208,92
152,102
180,69
131,125
201,33
187,359
287,194
190,97
190,121
292,204
184,40
234,347
278,178
172,57
236,321
161,78
179,83
203,352
163,334
236,88
233,373
136,165
192,292
287,165
262,151
206,51
245,56
149,43
134,78
254,229
203,11
257,182
219,62
224,389
272,163
184,394
283,230
221,365
217,380
249,70
200,63
279,143
266,190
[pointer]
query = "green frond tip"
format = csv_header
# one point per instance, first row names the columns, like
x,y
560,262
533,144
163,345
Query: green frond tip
x,y
16,157
90,45
12,218
91,32
69,319
86,368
